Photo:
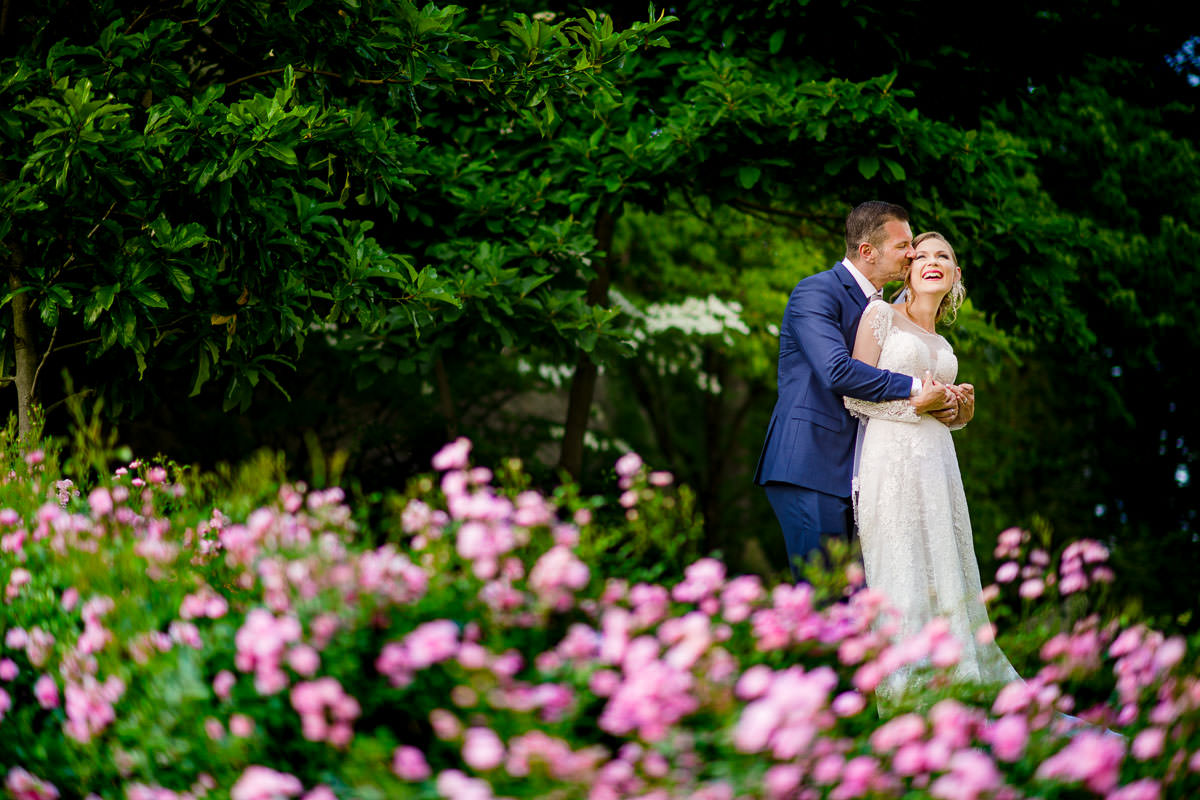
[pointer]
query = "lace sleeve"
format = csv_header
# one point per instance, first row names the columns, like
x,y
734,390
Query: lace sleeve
x,y
873,330
895,410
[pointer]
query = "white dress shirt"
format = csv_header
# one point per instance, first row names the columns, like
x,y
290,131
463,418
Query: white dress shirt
x,y
869,290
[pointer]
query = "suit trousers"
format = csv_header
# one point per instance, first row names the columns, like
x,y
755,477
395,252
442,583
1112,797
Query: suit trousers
x,y
807,518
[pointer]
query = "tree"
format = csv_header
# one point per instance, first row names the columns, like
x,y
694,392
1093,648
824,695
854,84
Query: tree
x,y
191,187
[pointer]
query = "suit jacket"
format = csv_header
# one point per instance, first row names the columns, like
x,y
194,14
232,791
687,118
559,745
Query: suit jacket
x,y
810,439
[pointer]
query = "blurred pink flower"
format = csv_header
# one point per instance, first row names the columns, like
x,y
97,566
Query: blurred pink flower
x,y
897,732
454,785
701,579
661,479
1032,588
45,691
847,704
304,660
100,501
1091,757
409,764
223,684
214,729
453,455
628,464
1008,736
1148,744
262,783
971,774
21,785
1144,789
482,749
781,780
241,726
1007,572
8,669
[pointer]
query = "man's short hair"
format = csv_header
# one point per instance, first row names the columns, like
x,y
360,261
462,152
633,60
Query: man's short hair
x,y
866,222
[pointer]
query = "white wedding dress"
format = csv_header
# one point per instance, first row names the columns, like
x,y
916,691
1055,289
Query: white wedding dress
x,y
912,513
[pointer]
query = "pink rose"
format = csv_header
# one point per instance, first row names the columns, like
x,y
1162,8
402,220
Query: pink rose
x,y
261,783
482,749
409,764
46,692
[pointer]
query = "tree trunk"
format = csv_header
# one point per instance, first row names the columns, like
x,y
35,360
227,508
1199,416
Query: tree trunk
x,y
583,382
23,351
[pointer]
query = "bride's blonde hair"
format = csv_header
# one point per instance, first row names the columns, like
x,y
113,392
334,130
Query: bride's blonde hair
x,y
950,304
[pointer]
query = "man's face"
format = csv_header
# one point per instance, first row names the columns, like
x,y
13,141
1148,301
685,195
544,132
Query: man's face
x,y
897,252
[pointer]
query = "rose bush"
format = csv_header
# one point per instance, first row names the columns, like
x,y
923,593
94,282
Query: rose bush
x,y
162,638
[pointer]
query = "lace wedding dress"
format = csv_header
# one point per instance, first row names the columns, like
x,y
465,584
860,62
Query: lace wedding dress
x,y
912,513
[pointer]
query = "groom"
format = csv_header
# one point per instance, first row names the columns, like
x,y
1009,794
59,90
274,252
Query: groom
x,y
807,459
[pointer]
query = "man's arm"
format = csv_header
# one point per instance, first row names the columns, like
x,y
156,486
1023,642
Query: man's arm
x,y
814,322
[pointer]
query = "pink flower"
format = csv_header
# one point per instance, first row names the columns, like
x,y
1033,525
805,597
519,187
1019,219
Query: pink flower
x,y
971,773
445,725
46,692
1149,744
482,749
409,764
304,660
628,464
896,732
100,501
223,684
1145,789
847,704
660,479
1007,572
241,726
24,786
1091,757
261,783
1008,736
8,669
214,729
455,785
319,792
1032,588
781,780
70,598
453,455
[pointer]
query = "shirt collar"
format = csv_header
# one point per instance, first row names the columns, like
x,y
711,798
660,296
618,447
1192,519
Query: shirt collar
x,y
867,287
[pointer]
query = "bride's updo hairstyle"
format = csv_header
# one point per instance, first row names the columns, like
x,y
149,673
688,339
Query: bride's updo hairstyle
x,y
948,309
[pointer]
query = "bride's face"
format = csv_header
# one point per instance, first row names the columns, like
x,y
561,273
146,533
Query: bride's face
x,y
933,270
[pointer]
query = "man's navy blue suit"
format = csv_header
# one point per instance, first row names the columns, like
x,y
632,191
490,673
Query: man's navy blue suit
x,y
807,460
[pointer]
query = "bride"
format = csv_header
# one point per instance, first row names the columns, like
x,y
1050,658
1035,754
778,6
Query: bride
x,y
912,513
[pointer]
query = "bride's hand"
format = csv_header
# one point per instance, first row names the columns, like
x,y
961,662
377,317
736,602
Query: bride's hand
x,y
934,397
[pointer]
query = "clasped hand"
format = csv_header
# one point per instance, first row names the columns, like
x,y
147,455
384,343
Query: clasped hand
x,y
948,403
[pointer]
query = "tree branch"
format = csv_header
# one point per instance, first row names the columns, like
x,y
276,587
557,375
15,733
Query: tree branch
x,y
45,355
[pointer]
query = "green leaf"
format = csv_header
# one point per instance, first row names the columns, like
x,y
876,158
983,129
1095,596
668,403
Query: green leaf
x,y
894,168
776,41
868,166
748,176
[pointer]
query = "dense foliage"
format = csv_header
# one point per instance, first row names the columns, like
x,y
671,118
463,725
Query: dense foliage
x,y
407,219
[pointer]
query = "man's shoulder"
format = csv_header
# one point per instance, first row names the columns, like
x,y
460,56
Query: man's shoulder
x,y
820,277
822,281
